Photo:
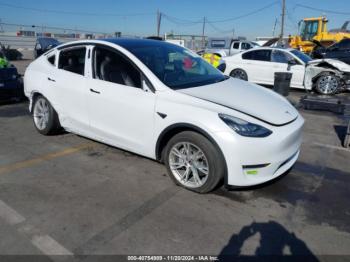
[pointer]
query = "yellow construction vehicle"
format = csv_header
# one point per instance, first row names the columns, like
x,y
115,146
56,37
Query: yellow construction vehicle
x,y
316,29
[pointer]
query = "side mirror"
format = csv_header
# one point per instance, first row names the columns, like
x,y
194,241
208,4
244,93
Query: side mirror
x,y
292,62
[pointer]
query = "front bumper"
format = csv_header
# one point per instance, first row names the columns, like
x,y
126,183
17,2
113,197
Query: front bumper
x,y
253,161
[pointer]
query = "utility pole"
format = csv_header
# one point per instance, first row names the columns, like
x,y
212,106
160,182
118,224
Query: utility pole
x,y
282,23
233,33
203,32
274,28
159,19
1,28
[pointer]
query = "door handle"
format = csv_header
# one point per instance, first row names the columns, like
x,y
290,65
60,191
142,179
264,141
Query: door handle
x,y
94,91
50,79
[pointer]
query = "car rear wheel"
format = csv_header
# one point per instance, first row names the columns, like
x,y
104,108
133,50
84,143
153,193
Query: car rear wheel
x,y
240,74
45,117
327,84
193,162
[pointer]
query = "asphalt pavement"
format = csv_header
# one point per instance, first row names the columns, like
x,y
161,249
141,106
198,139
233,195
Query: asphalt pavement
x,y
67,195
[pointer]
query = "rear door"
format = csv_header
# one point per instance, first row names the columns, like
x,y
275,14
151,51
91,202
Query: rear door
x,y
70,82
257,64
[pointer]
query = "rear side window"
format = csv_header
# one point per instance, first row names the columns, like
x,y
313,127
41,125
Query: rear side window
x,y
113,67
236,45
73,60
52,59
259,55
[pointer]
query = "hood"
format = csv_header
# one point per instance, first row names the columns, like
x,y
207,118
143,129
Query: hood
x,y
247,98
333,62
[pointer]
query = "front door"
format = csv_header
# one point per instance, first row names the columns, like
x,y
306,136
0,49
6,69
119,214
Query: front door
x,y
121,109
280,61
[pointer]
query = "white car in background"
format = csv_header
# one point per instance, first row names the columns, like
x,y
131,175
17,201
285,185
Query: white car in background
x,y
326,76
227,46
164,102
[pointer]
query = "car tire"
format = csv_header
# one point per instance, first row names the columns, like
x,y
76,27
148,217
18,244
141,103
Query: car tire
x,y
327,84
45,117
202,169
239,73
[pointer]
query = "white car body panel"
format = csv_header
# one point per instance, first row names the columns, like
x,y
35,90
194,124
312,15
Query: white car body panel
x,y
128,117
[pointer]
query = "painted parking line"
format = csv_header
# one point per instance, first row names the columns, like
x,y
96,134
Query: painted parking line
x,y
49,246
27,163
10,215
46,244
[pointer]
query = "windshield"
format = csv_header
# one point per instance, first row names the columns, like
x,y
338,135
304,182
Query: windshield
x,y
305,58
308,29
175,66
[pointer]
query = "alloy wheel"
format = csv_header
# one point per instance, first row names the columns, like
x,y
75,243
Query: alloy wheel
x,y
328,84
188,164
240,74
41,113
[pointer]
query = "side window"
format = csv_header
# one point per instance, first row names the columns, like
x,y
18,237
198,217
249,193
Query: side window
x,y
280,57
259,55
73,60
236,45
52,59
248,56
245,46
113,67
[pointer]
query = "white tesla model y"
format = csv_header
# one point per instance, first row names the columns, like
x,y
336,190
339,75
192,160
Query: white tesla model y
x,y
164,102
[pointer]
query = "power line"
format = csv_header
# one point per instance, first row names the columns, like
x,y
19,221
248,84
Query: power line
x,y
217,29
52,27
180,21
70,12
247,14
321,10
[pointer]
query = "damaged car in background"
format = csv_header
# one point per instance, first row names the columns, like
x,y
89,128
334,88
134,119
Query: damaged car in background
x,y
325,76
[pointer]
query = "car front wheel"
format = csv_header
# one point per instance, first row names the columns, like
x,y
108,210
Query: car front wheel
x,y
194,162
327,84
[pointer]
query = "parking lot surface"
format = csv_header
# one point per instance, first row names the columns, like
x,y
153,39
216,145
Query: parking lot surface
x,y
65,195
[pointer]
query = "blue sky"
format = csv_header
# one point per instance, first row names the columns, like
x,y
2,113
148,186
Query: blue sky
x,y
138,17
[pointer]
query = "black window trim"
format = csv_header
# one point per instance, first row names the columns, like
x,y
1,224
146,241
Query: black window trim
x,y
51,54
256,50
143,77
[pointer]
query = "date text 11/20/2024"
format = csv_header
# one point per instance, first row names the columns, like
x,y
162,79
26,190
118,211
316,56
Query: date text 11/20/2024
x,y
172,258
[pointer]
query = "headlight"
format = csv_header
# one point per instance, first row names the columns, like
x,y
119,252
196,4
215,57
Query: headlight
x,y
245,128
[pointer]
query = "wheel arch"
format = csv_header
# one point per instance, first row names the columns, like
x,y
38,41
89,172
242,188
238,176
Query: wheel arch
x,y
177,128
33,96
